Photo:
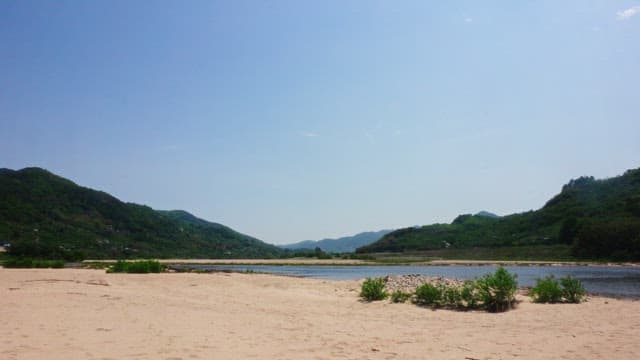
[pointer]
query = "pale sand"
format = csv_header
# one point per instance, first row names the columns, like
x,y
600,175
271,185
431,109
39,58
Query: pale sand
x,y
87,314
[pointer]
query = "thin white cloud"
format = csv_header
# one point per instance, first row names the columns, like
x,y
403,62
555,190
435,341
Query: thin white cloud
x,y
370,137
468,20
308,134
628,13
373,132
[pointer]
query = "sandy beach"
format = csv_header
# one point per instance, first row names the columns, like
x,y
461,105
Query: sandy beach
x,y
88,314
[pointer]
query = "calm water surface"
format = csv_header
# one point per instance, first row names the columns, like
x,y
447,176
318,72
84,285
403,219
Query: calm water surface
x,y
621,281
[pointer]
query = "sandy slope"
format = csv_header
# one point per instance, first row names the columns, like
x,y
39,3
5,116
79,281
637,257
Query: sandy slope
x,y
87,314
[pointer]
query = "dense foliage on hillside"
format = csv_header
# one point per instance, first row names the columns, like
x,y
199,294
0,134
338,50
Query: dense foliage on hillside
x,y
44,215
599,219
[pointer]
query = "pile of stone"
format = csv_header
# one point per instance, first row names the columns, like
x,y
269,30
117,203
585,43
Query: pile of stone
x,y
409,283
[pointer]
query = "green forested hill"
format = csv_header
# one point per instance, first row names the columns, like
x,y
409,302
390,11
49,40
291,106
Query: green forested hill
x,y
42,214
599,219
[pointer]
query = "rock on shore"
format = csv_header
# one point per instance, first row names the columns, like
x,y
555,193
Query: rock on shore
x,y
409,283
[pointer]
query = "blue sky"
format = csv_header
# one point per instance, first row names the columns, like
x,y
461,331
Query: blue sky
x,y
294,120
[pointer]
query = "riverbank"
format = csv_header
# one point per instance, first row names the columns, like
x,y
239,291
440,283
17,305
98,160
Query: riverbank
x,y
72,313
357,262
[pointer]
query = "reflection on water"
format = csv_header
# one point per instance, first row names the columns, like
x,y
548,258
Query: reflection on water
x,y
605,280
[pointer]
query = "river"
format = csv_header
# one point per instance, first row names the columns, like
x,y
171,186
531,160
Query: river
x,y
619,281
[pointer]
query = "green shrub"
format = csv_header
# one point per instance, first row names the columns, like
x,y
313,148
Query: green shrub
x,y
427,294
138,267
470,295
399,296
143,267
54,264
18,262
493,292
119,267
27,262
497,291
572,289
547,290
452,297
550,290
373,289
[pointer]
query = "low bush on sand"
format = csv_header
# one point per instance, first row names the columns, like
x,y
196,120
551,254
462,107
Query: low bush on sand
x,y
399,296
136,267
429,295
497,291
572,290
552,290
470,295
493,292
373,289
547,290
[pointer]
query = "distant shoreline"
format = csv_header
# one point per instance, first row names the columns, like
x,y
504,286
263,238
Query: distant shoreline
x,y
355,262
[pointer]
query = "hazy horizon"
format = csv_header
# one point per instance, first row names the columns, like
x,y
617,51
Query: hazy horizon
x,y
292,121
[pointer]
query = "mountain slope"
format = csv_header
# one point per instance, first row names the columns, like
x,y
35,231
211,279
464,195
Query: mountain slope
x,y
487,214
340,245
42,214
600,219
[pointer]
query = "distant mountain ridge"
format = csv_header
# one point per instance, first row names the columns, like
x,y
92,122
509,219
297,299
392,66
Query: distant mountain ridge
x,y
597,219
339,245
46,215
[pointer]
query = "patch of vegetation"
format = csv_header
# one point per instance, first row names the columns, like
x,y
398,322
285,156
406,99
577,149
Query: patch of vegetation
x,y
324,256
493,292
26,262
497,291
572,290
399,296
429,295
452,297
470,296
365,257
555,252
317,253
373,289
550,290
136,267
547,290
